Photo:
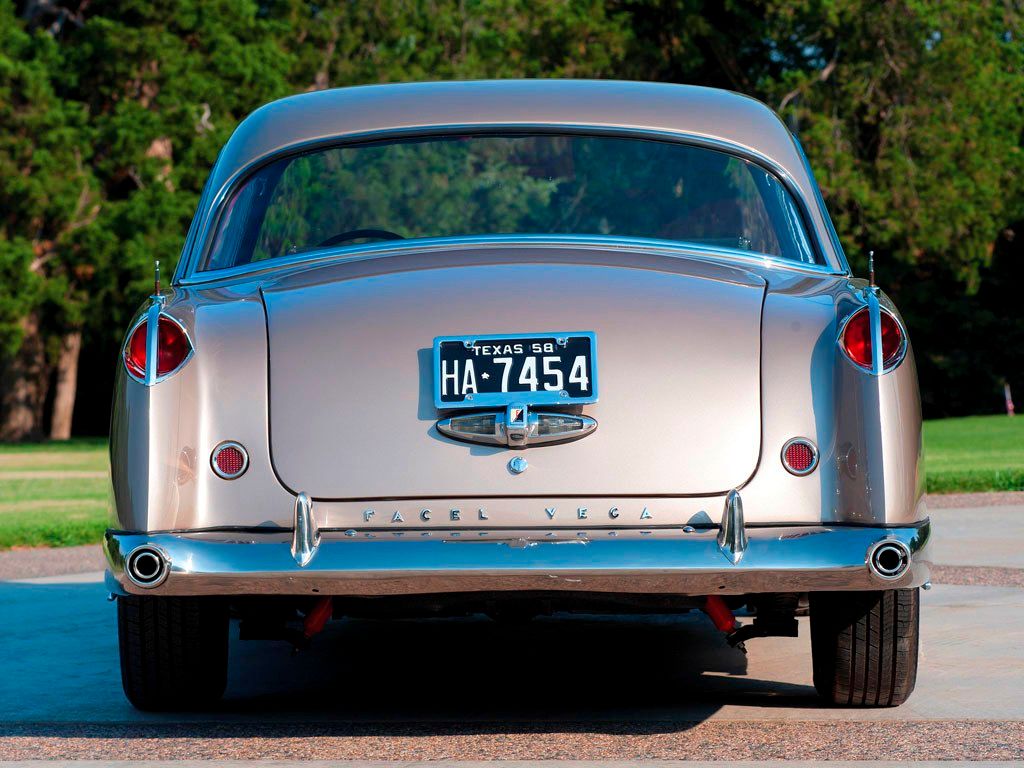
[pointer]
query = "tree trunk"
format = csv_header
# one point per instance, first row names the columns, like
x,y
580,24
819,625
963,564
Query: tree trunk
x,y
67,381
23,386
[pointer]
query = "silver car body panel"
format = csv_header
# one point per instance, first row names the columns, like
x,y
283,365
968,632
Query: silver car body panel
x,y
869,470
371,378
320,368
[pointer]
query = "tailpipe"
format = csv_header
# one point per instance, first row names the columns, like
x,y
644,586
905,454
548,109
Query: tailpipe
x,y
147,567
889,559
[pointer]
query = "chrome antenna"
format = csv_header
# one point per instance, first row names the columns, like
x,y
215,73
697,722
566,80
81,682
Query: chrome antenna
x,y
871,268
156,278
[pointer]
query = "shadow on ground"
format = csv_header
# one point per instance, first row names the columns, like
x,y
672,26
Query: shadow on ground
x,y
61,647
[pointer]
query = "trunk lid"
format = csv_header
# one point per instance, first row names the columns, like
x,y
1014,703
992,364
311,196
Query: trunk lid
x,y
352,412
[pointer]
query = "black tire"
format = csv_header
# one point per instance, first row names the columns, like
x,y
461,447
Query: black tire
x,y
864,646
174,651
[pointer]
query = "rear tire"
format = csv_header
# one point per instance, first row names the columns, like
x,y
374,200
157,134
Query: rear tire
x,y
174,651
864,646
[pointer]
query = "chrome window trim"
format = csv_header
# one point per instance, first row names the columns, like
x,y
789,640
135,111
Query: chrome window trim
x,y
830,227
193,230
217,451
151,376
212,212
814,460
900,355
734,258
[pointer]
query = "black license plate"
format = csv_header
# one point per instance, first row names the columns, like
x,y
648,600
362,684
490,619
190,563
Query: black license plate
x,y
482,371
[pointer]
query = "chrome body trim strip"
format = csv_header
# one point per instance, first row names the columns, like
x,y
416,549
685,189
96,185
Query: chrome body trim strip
x,y
674,561
875,312
152,339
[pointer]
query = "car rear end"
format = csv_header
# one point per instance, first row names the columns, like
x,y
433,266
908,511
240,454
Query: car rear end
x,y
516,422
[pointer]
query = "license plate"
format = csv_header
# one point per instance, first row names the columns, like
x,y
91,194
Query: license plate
x,y
546,369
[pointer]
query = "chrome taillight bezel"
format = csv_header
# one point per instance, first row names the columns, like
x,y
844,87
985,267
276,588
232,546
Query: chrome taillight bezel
x,y
128,338
895,361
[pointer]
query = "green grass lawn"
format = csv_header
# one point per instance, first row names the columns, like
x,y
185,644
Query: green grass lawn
x,y
977,453
53,494
56,494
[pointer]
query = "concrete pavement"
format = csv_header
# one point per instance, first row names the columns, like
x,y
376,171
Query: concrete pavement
x,y
60,647
984,536
610,687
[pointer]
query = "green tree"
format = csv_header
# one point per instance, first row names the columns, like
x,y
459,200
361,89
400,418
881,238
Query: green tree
x,y
47,193
912,114
115,115
140,96
113,111
338,44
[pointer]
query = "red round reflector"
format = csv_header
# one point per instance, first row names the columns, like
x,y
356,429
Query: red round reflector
x,y
229,460
856,340
799,456
172,347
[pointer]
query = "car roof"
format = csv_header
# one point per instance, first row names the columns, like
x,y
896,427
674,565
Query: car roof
x,y
709,115
693,110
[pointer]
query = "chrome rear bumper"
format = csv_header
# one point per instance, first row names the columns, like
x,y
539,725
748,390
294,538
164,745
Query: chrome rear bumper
x,y
667,561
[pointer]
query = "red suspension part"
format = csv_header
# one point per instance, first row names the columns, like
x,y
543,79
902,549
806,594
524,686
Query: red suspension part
x,y
318,617
719,612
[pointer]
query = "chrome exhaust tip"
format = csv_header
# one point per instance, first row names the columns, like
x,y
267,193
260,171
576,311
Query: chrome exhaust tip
x,y
147,567
889,559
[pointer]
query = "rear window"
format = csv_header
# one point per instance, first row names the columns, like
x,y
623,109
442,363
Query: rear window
x,y
489,184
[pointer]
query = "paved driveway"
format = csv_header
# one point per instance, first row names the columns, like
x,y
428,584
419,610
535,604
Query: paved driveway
x,y
563,687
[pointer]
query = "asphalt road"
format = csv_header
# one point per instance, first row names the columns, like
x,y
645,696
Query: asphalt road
x,y
555,688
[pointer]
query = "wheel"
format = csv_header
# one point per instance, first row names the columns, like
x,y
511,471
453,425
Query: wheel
x,y
174,651
864,646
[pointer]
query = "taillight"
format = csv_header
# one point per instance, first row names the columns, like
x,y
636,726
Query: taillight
x,y
172,348
856,339
799,456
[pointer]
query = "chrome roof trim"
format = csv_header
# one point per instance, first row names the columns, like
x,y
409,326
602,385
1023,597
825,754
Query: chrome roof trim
x,y
837,245
210,213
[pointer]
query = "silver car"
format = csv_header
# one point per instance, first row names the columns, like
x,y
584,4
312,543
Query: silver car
x,y
513,348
